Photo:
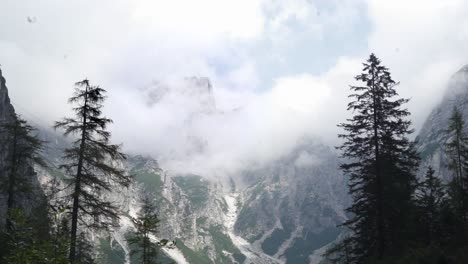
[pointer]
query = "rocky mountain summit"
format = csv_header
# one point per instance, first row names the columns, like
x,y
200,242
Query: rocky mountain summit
x,y
195,93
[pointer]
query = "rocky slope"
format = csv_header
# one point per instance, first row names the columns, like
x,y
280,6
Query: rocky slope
x,y
290,209
293,206
431,138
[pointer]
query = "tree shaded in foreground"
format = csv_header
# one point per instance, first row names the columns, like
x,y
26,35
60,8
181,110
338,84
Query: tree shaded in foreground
x,y
430,201
457,152
93,162
381,166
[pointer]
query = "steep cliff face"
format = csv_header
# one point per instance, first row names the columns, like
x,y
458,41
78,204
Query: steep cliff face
x,y
192,211
293,206
286,211
432,138
6,109
6,114
282,211
31,202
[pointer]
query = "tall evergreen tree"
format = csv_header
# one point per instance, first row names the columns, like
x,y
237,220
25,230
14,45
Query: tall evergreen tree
x,y
457,152
92,161
430,197
23,151
381,164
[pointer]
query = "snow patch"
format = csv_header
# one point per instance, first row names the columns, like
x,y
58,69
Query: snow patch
x,y
176,255
252,255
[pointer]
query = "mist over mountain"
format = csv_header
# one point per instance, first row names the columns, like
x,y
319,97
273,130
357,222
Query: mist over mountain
x,y
278,208
432,137
225,121
193,133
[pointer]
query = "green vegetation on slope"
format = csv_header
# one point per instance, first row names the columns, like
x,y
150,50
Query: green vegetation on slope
x,y
195,188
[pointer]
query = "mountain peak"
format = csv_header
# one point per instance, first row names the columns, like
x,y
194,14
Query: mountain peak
x,y
194,91
458,85
6,109
201,82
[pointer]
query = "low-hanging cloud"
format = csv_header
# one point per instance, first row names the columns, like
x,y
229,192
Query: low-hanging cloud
x,y
269,87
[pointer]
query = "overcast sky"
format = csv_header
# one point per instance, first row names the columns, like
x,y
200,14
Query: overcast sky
x,y
285,65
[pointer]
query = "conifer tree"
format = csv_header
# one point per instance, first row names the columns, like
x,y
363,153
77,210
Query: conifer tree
x,y
457,152
430,198
92,162
380,163
23,151
146,225
25,244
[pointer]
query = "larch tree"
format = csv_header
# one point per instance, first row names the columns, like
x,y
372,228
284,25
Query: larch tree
x,y
92,162
381,164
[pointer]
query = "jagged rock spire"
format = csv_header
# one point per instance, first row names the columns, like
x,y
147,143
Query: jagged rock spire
x,y
6,109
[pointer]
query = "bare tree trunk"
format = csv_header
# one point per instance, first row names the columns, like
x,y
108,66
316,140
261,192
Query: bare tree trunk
x,y
77,191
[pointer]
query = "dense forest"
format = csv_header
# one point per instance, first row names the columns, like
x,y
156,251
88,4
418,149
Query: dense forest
x,y
400,212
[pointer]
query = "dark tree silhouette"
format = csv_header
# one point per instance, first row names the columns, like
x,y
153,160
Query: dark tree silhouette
x,y
23,152
430,198
457,152
381,165
93,161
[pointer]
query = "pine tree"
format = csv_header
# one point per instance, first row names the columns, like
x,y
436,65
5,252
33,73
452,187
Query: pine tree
x,y
381,165
146,225
23,151
430,198
92,162
457,152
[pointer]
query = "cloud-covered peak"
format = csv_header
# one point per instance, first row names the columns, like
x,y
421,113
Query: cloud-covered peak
x,y
193,93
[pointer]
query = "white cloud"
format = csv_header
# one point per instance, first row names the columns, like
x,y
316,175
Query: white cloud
x,y
202,20
423,43
126,45
305,159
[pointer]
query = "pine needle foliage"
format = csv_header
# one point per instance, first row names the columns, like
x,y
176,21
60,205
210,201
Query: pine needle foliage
x,y
92,162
